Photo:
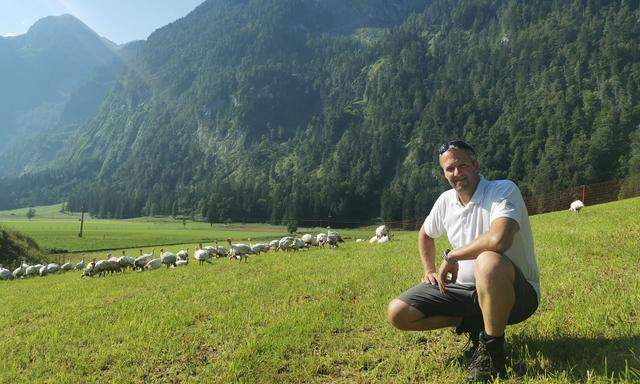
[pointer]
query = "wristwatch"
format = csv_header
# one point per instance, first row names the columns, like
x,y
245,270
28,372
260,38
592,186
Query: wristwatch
x,y
445,257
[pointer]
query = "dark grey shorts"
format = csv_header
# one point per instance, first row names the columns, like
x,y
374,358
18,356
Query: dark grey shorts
x,y
462,301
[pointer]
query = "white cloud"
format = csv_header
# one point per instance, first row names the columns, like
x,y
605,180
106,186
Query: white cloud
x,y
10,34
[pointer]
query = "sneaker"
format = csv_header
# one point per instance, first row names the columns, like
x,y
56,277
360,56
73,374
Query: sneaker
x,y
471,345
488,362
472,329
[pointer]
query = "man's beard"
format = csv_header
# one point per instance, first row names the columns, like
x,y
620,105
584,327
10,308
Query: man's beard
x,y
460,185
464,186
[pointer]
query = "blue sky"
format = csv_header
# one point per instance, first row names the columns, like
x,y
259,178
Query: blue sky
x,y
120,21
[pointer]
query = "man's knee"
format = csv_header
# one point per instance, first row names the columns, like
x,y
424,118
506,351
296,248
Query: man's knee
x,y
492,265
400,314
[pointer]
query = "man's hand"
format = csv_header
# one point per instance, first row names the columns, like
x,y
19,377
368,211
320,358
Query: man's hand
x,y
430,277
442,274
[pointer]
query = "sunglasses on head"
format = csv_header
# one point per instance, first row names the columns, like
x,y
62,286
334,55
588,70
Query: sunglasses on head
x,y
458,144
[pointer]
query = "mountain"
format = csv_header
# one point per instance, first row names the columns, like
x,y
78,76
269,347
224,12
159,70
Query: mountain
x,y
282,110
54,78
220,96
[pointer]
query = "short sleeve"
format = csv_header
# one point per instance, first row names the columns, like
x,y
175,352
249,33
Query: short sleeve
x,y
507,202
434,223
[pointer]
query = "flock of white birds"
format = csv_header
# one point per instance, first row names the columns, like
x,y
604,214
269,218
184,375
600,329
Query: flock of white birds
x,y
148,261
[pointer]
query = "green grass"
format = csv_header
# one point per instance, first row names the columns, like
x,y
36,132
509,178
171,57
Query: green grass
x,y
42,212
53,229
319,316
112,234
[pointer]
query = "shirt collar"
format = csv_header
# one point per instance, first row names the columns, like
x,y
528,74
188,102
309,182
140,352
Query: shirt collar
x,y
479,193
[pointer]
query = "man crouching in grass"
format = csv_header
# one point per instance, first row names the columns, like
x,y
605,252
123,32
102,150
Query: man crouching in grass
x,y
494,275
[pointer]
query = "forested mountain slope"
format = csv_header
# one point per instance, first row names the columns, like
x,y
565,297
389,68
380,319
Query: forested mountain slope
x,y
300,109
225,101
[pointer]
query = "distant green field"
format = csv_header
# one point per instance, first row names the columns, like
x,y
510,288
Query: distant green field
x,y
318,316
42,212
111,234
52,229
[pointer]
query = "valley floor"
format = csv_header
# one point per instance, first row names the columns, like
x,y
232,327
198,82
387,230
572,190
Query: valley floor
x,y
320,316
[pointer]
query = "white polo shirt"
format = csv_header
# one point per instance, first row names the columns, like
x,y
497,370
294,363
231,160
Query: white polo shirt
x,y
462,224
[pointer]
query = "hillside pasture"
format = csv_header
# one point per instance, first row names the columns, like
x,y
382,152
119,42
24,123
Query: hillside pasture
x,y
319,316
56,230
116,234
42,212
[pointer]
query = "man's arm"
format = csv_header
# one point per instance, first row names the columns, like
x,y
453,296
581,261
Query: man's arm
x,y
427,248
498,239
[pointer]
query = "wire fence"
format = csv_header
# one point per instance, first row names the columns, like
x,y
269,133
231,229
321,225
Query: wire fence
x,y
591,194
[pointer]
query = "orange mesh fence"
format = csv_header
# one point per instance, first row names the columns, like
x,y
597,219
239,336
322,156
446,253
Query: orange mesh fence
x,y
589,194
592,194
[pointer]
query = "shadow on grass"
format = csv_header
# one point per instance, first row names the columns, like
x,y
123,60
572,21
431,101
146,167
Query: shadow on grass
x,y
576,357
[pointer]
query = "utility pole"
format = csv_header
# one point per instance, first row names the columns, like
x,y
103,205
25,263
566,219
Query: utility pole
x,y
81,222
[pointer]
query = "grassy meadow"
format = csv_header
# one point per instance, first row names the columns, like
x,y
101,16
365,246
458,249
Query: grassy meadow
x,y
41,212
52,229
117,234
318,316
